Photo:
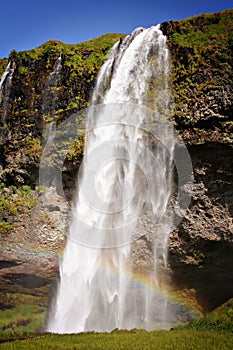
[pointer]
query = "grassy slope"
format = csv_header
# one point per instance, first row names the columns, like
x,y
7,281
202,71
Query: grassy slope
x,y
207,31
204,43
221,319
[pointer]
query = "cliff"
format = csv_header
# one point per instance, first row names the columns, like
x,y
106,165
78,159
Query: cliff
x,y
201,57
201,248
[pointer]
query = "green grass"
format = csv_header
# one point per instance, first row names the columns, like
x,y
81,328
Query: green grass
x,y
122,340
86,57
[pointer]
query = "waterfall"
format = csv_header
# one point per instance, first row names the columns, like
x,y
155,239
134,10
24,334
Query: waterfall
x,y
49,97
5,88
123,197
55,74
3,78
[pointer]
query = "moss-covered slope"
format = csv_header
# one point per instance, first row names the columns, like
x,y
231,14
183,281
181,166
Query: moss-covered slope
x,y
38,96
201,57
221,319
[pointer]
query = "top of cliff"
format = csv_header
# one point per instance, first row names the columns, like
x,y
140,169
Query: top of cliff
x,y
74,52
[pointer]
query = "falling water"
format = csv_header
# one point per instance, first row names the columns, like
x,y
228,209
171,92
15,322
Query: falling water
x,y
5,88
49,97
123,198
56,70
3,78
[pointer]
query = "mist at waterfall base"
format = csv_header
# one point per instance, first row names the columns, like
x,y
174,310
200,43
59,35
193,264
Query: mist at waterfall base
x,y
123,198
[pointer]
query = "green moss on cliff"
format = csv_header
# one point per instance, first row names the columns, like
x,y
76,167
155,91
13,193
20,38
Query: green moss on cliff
x,y
3,65
37,97
209,39
203,31
201,49
86,57
33,88
14,201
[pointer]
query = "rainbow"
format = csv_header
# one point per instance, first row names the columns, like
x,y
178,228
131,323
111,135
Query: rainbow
x,y
140,280
183,300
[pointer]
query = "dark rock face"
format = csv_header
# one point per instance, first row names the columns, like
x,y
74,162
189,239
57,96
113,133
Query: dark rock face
x,y
201,248
27,280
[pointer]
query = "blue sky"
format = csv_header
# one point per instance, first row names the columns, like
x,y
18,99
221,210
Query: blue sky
x,y
26,24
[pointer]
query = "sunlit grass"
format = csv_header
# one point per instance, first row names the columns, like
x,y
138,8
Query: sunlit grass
x,y
121,340
214,331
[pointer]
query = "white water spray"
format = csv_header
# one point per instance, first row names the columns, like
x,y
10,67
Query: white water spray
x,y
57,68
5,88
5,74
124,189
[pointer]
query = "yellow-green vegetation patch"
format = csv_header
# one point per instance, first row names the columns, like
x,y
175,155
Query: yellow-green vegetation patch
x,y
32,148
17,299
22,318
3,65
5,227
14,201
204,31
